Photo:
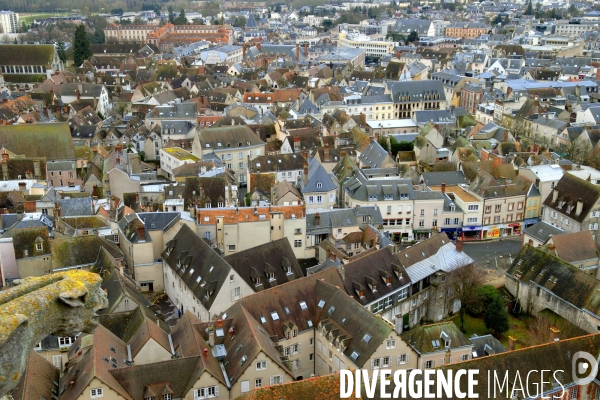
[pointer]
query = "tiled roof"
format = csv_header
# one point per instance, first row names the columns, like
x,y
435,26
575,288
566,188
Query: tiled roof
x,y
570,190
576,246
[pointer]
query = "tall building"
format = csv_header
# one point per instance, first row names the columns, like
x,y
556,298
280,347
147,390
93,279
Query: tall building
x,y
9,22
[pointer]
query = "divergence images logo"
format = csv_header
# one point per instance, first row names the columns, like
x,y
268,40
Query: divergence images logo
x,y
584,367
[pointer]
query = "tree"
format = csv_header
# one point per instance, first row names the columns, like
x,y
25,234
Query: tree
x,y
538,10
529,9
516,125
384,144
465,282
327,24
181,18
578,151
495,317
413,37
60,49
240,22
81,46
171,15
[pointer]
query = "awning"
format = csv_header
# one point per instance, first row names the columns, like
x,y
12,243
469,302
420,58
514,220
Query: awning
x,y
531,221
422,231
451,229
472,228
514,224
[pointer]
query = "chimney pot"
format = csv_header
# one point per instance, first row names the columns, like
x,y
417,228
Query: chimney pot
x,y
459,244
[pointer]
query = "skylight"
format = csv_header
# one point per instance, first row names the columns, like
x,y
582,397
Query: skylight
x,y
367,338
321,303
274,315
263,320
287,310
331,310
303,305
354,355
309,322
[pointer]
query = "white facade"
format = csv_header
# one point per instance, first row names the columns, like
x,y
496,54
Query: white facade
x,y
9,22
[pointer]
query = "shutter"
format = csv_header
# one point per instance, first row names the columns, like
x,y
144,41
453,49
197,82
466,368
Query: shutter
x,y
271,381
299,347
232,295
299,364
281,379
372,364
398,360
245,386
217,390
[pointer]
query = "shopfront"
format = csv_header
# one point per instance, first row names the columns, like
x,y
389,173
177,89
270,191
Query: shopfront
x,y
453,233
517,228
422,234
472,232
493,231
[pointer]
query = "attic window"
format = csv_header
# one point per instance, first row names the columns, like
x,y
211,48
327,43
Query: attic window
x,y
274,315
287,310
354,355
366,338
435,343
331,310
319,185
309,322
321,303
303,305
243,360
263,320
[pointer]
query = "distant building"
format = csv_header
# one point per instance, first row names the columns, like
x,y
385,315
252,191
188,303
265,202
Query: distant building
x,y
9,21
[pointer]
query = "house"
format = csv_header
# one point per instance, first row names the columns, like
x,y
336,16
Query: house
x,y
541,281
98,93
142,238
266,266
235,145
537,235
578,249
573,205
318,188
231,230
174,157
340,223
428,208
288,167
285,193
486,345
63,173
438,344
197,279
31,252
40,61
51,141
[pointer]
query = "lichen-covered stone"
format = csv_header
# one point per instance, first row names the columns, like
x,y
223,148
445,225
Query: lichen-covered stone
x,y
63,304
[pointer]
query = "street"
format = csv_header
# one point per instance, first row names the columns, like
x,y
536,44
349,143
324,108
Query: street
x,y
493,258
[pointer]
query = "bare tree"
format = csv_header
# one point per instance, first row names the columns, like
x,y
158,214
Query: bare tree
x,y
539,332
578,151
518,126
465,282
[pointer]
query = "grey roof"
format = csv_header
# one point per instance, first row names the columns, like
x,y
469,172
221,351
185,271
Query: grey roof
x,y
251,22
329,220
425,195
375,156
450,178
60,165
486,345
159,220
177,111
225,137
76,207
446,259
360,188
436,116
542,231
87,89
317,175
409,25
413,91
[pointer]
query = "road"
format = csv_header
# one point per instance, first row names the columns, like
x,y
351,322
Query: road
x,y
493,258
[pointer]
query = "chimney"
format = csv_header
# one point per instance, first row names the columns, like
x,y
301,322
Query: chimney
x,y
243,51
95,102
537,182
554,331
297,144
398,324
326,153
511,343
579,206
444,187
552,249
5,156
258,45
305,49
317,219
554,195
342,153
141,234
459,243
447,357
297,51
334,257
206,352
305,173
22,186
77,94
5,100
211,336
219,323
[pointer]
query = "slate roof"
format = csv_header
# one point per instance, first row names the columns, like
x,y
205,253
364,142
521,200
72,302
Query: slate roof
x,y
277,162
76,207
260,261
486,345
570,189
52,141
24,241
450,178
202,270
422,338
317,175
543,231
375,276
36,382
228,136
360,188
533,265
333,219
375,156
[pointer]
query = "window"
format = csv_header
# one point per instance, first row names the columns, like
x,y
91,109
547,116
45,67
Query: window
x,y
457,221
236,293
421,222
474,207
231,247
399,209
38,247
553,214
57,361
472,220
297,243
207,392
319,185
422,212
429,364
403,359
464,357
261,365
258,382
389,209
447,221
488,209
65,341
390,344
574,394
276,380
245,386
167,396
303,305
96,393
403,294
434,222
498,208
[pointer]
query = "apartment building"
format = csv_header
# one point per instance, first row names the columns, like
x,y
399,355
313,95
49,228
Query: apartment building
x,y
372,48
235,145
9,22
428,208
339,223
318,188
466,30
503,210
175,157
411,96
232,230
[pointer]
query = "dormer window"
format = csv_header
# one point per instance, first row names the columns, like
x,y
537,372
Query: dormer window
x,y
289,270
271,276
257,280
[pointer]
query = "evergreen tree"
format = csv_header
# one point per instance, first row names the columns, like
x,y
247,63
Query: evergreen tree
x,y
81,46
495,316
60,49
171,15
529,9
413,37
181,18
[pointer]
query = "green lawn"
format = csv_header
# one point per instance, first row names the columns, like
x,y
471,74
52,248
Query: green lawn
x,y
476,326
29,17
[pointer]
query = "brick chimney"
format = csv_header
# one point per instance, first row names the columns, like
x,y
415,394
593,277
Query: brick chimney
x,y
459,244
77,94
305,49
22,186
258,45
317,219
326,153
444,187
297,51
305,173
342,153
141,234
297,144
